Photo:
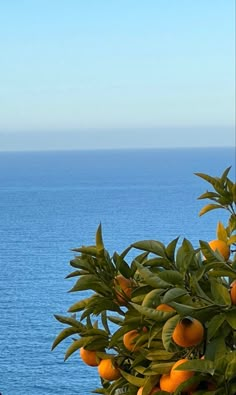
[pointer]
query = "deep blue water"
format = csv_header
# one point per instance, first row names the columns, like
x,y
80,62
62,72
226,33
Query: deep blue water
x,y
51,202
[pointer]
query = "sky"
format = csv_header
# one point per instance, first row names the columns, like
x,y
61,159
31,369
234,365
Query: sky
x,y
116,73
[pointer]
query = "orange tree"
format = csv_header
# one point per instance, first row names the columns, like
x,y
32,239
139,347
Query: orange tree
x,y
164,321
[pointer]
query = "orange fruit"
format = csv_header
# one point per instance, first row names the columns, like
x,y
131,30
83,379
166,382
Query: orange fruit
x,y
233,292
129,340
164,307
89,357
123,287
221,246
170,382
153,391
188,332
107,370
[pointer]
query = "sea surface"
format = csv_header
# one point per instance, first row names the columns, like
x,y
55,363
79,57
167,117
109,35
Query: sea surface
x,y
51,202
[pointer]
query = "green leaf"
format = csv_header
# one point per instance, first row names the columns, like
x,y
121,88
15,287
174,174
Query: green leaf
x,y
105,322
171,277
214,325
122,266
185,257
152,299
160,368
87,250
219,292
170,249
151,279
74,347
230,316
208,208
77,273
86,264
173,294
99,241
156,315
91,281
63,335
221,232
153,246
209,254
167,331
231,240
158,262
209,195
198,365
231,367
201,313
80,305
215,348
71,321
137,381
225,174
160,355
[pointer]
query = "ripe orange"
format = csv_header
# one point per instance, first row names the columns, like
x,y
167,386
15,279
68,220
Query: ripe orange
x,y
221,246
233,292
153,391
164,307
188,332
170,382
123,287
89,357
129,340
107,370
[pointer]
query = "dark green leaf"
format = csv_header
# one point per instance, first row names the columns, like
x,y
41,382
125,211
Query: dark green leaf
x,y
71,321
219,292
230,317
170,249
171,277
74,347
198,365
173,294
167,331
151,279
153,314
63,335
214,325
153,246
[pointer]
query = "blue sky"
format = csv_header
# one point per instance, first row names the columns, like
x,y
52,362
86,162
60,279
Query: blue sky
x,y
110,73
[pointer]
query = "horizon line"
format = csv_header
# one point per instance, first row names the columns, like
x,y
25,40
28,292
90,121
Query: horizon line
x,y
53,150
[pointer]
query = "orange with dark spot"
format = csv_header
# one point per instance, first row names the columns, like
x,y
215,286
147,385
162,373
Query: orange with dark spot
x,y
188,332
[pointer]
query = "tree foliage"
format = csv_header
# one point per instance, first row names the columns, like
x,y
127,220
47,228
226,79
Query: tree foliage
x,y
195,282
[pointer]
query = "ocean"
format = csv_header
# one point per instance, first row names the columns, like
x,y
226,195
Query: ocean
x,y
51,202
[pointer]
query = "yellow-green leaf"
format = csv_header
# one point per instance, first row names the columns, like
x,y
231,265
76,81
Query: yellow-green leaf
x,y
99,241
221,232
231,240
209,207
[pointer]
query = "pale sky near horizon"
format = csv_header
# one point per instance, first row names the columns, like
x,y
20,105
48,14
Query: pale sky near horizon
x,y
116,74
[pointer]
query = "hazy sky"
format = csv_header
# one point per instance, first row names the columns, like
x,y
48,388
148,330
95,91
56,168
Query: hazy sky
x,y
112,73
